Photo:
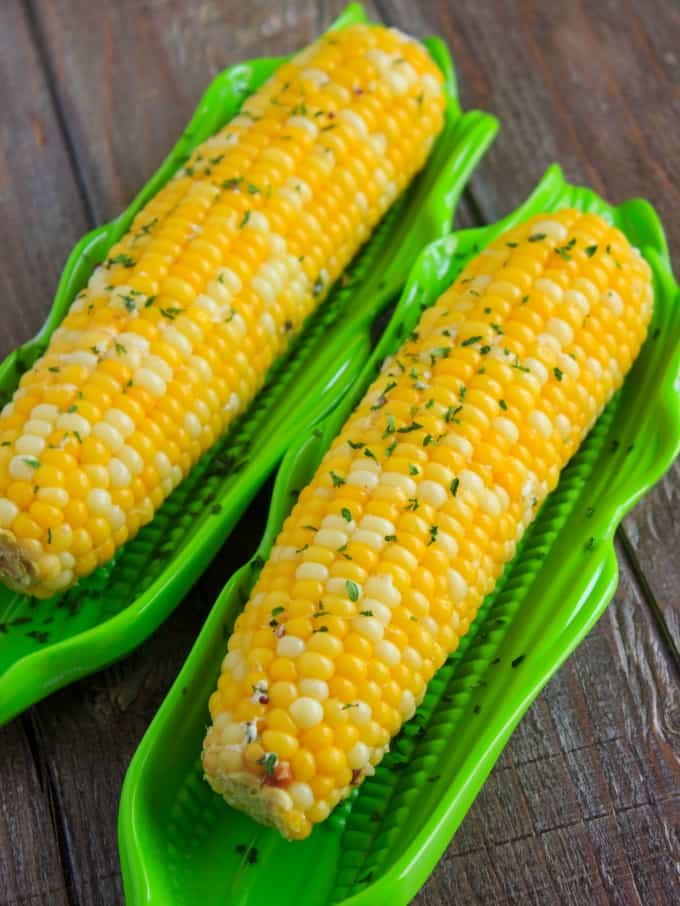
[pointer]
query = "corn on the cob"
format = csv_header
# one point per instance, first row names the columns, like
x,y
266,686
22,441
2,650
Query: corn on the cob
x,y
415,510
176,330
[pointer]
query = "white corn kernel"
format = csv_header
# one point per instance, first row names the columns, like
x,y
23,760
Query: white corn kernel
x,y
54,496
120,420
8,512
108,435
363,479
457,585
317,572
388,653
23,467
290,646
407,705
382,588
362,714
99,501
358,756
397,480
561,330
306,712
369,628
38,426
331,538
119,473
540,421
432,493
314,688
71,421
552,228
370,539
29,445
46,411
302,795
550,288
376,524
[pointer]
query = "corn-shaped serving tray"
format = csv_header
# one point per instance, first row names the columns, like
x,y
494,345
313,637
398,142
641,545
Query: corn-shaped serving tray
x,y
181,844
46,644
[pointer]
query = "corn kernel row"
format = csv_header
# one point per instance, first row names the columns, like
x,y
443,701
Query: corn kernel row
x,y
415,510
177,329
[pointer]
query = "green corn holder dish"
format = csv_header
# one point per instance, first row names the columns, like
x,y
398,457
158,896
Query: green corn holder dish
x,y
46,644
181,844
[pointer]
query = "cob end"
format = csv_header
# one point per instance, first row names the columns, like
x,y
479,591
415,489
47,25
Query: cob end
x,y
247,793
16,569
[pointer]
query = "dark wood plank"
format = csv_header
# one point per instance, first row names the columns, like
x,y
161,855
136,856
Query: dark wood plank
x,y
88,732
129,74
41,214
652,535
595,87
582,804
30,868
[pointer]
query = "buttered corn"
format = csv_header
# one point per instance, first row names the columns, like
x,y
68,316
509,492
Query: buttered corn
x,y
176,330
415,510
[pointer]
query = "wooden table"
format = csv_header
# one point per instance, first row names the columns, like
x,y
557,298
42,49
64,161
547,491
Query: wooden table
x,y
583,807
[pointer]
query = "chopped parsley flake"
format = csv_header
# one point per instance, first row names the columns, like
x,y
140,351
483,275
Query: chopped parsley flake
x,y
352,590
269,762
346,514
441,352
336,479
124,260
455,484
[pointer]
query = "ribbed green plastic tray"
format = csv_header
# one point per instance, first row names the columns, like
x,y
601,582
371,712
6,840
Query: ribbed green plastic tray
x,y
46,644
180,844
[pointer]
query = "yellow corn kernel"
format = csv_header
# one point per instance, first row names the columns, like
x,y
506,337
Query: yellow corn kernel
x,y
177,329
507,372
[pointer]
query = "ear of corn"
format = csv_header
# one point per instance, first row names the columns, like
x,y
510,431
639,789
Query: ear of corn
x,y
412,515
176,330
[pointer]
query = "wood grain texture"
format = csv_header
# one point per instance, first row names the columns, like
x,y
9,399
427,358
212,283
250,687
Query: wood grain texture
x,y
596,87
129,74
30,867
88,732
583,805
40,218
41,214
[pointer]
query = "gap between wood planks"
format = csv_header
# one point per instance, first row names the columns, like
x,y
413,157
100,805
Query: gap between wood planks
x,y
59,112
